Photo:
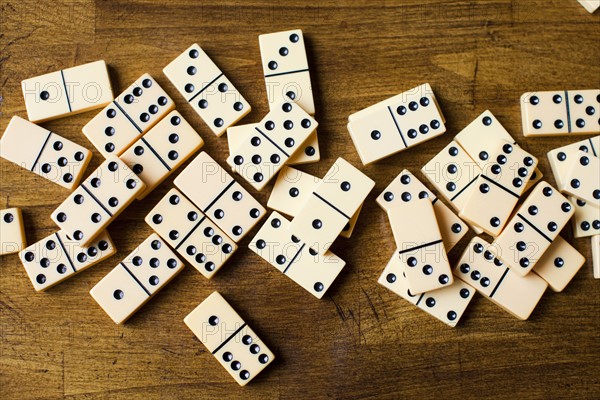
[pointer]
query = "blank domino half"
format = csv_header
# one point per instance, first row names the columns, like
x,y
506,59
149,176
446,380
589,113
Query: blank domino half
x,y
590,5
67,92
596,255
12,231
230,340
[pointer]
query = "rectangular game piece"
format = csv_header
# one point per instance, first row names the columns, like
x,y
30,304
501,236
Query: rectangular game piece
x,y
583,178
67,92
420,249
285,68
560,113
293,188
332,203
396,124
238,134
44,153
136,279
128,117
596,255
230,340
162,150
312,271
489,276
197,239
559,264
406,187
98,200
586,219
220,197
57,258
12,231
498,188
560,158
590,5
279,135
207,89
531,230
447,304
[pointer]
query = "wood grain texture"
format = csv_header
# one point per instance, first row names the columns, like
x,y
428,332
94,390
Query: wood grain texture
x,y
360,341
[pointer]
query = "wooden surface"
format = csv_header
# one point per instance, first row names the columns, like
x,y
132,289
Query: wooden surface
x,y
360,341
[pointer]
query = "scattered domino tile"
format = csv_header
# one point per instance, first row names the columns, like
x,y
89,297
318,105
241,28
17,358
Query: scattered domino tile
x,y
489,276
12,231
559,264
67,92
583,178
396,124
238,134
406,187
590,5
292,190
533,228
98,200
162,150
185,228
586,219
421,250
596,255
204,86
498,188
56,258
312,271
275,139
230,340
136,279
128,117
44,153
285,68
560,113
332,203
447,304
220,197
561,157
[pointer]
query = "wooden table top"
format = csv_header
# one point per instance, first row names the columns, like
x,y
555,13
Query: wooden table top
x,y
361,340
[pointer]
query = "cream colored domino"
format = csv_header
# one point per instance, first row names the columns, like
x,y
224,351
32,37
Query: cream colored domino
x,y
331,205
312,271
212,96
185,228
136,279
586,219
67,92
57,258
420,249
128,117
292,190
162,150
285,68
531,230
596,255
447,304
236,135
590,5
560,158
12,231
561,112
406,187
230,340
219,196
489,276
396,124
98,200
275,139
498,188
44,153
583,178
559,264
